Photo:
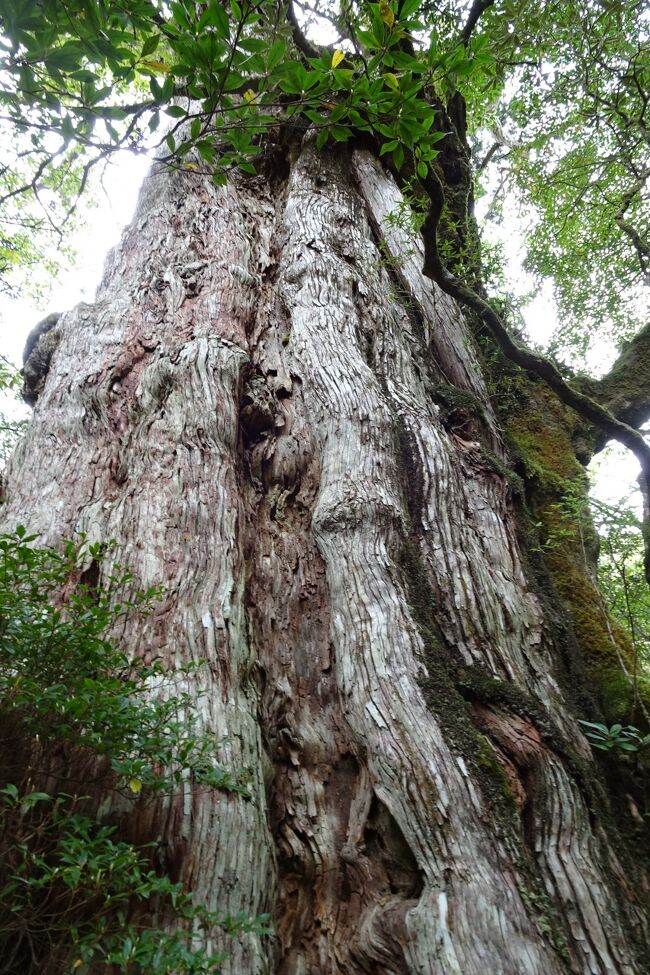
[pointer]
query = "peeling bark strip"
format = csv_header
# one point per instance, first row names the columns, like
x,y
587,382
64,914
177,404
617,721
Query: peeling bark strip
x,y
249,409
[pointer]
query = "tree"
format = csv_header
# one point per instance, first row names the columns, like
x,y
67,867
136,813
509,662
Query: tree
x,y
293,406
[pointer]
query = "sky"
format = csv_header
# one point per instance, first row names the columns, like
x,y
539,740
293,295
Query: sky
x,y
116,198
613,472
615,469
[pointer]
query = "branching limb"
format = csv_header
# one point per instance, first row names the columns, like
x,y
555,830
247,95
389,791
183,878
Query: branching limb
x,y
299,37
584,405
625,390
476,11
641,246
489,155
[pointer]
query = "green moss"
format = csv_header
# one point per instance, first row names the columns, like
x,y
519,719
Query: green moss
x,y
541,433
547,918
451,397
486,759
604,645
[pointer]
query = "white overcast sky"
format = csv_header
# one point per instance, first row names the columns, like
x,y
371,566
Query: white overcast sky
x,y
115,198
115,204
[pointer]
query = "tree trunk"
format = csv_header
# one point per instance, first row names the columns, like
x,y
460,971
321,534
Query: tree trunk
x,y
283,422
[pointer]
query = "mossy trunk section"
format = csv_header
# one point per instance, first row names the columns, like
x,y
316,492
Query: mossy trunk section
x,y
282,421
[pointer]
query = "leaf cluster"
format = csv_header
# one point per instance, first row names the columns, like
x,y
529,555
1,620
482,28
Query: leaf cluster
x,y
556,92
615,738
203,84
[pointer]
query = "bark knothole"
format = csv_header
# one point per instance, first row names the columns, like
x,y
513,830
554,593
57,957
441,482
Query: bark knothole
x,y
41,345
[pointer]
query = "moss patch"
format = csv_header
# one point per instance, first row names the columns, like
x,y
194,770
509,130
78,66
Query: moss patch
x,y
441,693
541,434
486,759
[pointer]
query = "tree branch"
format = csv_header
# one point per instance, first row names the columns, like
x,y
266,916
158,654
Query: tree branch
x,y
625,390
641,246
584,405
299,37
475,13
487,158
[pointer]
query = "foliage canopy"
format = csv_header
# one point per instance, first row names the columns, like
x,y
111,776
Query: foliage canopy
x,y
555,94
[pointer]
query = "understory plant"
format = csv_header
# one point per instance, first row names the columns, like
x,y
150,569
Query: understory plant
x,y
84,728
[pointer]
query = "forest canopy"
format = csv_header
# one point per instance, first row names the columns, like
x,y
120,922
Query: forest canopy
x,y
555,96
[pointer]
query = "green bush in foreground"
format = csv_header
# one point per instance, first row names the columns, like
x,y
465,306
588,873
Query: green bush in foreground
x,y
72,892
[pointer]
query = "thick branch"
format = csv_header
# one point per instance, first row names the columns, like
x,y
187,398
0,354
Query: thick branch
x,y
299,36
625,390
476,11
584,405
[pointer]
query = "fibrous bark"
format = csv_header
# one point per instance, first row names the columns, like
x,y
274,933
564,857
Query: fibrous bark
x,y
251,408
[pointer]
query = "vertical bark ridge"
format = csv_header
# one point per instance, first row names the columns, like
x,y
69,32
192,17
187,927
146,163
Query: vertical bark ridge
x,y
358,522
136,439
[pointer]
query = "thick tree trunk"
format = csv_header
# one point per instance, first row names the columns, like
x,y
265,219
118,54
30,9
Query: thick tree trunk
x,y
280,419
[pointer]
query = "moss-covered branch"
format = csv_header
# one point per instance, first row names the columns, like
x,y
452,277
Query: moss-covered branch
x,y
625,390
587,407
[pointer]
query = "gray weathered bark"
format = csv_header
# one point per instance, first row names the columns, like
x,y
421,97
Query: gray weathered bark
x,y
250,409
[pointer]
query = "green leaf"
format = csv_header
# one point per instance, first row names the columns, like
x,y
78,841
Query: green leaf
x,y
220,19
340,133
253,44
407,8
276,53
293,80
595,725
150,45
